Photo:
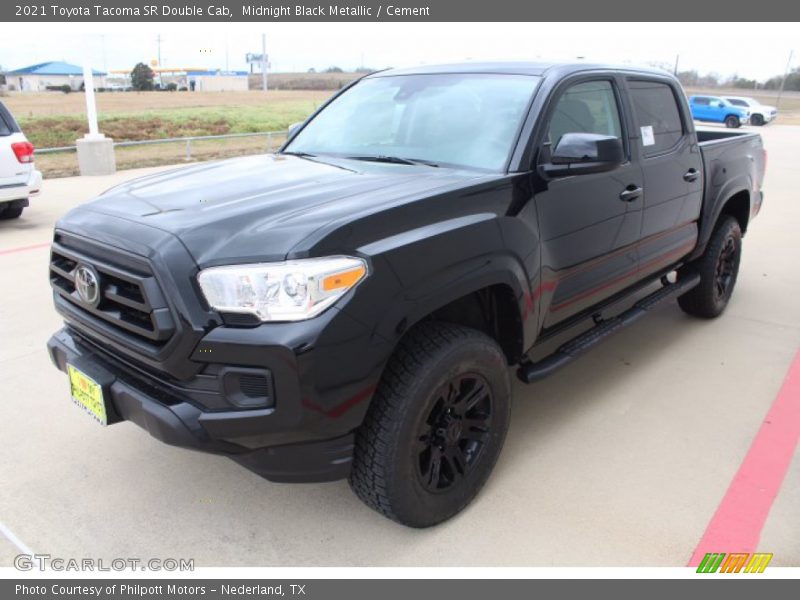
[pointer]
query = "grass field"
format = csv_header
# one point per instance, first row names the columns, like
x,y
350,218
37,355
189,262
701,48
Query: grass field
x,y
52,119
55,119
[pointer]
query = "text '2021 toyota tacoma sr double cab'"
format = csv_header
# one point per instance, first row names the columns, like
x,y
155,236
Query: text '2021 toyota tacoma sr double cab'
x,y
350,306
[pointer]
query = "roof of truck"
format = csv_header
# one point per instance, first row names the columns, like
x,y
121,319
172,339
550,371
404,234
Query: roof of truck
x,y
514,68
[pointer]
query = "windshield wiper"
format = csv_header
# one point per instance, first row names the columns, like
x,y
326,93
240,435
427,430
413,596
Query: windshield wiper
x,y
395,160
300,154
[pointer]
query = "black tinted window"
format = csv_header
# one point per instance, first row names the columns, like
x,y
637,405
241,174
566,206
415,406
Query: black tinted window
x,y
702,101
586,108
7,123
657,115
736,102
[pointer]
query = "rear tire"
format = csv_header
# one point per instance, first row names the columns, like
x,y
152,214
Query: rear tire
x,y
757,120
732,122
10,212
718,269
435,427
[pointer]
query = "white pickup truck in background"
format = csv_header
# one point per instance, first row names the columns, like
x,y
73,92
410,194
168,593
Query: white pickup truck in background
x,y
19,179
760,114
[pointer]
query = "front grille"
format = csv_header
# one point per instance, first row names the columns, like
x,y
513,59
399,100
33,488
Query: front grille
x,y
128,300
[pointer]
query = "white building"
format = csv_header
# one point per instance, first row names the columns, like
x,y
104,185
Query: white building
x,y
218,81
40,77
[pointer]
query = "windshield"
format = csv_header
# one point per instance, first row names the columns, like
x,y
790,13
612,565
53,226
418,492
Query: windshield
x,y
463,120
739,102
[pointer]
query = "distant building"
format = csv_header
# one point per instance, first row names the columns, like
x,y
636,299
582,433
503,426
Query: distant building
x,y
217,81
40,77
193,79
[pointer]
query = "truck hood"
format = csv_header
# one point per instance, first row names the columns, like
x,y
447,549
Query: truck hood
x,y
260,207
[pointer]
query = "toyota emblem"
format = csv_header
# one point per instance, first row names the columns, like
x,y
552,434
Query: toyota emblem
x,y
87,284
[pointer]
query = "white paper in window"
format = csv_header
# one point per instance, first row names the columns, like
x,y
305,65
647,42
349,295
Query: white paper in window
x,y
648,139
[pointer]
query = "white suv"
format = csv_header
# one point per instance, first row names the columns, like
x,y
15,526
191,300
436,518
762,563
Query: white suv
x,y
19,180
760,114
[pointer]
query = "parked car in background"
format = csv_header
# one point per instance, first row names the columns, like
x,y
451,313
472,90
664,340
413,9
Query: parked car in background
x,y
714,109
19,180
760,114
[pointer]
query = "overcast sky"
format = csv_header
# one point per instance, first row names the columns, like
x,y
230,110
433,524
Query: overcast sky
x,y
757,50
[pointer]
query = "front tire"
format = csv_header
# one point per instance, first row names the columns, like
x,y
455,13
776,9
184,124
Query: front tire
x,y
732,122
757,120
718,269
436,425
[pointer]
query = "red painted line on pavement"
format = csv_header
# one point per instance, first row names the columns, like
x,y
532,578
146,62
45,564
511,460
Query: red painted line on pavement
x,y
740,517
24,248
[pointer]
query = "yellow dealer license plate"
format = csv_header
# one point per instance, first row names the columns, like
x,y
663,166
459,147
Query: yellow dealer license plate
x,y
88,394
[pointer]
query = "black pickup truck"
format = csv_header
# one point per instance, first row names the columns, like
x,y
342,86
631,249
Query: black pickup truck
x,y
351,305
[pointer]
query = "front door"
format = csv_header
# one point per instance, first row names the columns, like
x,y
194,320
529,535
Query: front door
x,y
589,231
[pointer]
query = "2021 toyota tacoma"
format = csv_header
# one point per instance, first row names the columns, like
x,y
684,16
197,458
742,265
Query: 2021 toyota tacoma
x,y
350,306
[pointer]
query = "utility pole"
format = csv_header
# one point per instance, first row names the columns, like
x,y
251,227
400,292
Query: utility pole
x,y
264,62
677,60
783,81
158,41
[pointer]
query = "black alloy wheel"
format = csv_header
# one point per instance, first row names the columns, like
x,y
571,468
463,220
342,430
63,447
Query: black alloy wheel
x,y
454,434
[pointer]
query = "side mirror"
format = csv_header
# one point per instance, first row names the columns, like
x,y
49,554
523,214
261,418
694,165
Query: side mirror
x,y
293,128
581,153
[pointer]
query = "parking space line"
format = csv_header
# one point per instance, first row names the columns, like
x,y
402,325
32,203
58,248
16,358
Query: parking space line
x,y
11,537
24,248
736,526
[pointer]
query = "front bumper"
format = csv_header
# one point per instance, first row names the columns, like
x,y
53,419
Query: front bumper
x,y
180,422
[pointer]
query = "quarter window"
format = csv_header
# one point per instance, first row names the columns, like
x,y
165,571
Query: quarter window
x,y
7,123
589,107
657,115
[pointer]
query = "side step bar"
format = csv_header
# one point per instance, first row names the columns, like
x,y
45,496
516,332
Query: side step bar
x,y
530,372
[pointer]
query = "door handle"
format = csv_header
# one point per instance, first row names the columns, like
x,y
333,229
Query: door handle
x,y
630,193
691,175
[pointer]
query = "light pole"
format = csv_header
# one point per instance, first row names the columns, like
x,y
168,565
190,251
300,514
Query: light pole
x,y
264,62
783,81
95,151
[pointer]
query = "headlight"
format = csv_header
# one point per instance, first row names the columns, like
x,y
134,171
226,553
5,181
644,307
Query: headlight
x,y
283,291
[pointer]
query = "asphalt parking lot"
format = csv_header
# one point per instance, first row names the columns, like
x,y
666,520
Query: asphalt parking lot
x,y
621,459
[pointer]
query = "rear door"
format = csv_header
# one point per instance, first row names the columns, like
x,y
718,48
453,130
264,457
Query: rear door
x,y
589,232
12,172
667,151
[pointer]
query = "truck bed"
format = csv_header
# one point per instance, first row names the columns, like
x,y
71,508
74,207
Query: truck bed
x,y
732,160
708,137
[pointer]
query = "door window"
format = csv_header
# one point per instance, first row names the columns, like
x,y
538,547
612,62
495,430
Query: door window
x,y
657,115
589,107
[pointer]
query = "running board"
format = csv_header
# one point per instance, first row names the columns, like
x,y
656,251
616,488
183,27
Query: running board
x,y
530,372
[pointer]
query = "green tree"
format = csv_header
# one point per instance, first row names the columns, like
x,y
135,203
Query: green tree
x,y
142,77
